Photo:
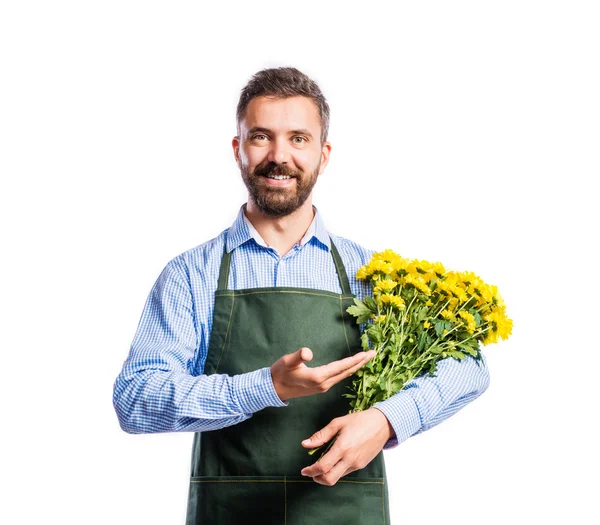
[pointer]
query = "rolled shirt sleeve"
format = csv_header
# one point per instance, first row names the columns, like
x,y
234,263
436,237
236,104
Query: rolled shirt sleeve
x,y
427,401
156,390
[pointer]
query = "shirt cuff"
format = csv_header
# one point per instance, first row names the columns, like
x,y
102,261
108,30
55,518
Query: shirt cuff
x,y
255,391
403,414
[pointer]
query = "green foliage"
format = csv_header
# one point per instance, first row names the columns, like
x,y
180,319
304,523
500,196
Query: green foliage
x,y
409,343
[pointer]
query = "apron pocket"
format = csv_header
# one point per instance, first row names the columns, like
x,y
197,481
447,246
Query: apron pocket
x,y
233,500
351,501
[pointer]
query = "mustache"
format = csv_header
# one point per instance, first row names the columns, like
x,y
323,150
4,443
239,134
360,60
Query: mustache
x,y
272,168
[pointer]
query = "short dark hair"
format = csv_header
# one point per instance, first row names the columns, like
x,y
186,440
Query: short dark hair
x,y
284,82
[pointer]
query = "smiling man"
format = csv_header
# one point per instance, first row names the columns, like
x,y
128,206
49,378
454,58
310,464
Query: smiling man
x,y
245,340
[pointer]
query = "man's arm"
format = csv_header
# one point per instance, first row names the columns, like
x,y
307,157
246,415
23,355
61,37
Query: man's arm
x,y
159,388
427,401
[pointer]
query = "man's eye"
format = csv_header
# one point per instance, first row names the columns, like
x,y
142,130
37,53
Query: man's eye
x,y
259,137
299,140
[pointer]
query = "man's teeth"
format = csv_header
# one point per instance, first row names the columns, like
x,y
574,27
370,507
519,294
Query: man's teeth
x,y
279,177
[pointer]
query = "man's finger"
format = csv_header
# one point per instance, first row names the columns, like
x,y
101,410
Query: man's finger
x,y
324,464
330,478
348,363
348,372
320,437
300,356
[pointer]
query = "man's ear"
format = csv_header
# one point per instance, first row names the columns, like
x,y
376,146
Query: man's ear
x,y
235,144
325,152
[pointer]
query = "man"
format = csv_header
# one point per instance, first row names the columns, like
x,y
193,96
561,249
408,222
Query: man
x,y
245,340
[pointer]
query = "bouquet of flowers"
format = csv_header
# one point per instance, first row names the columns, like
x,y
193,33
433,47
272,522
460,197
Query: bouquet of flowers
x,y
419,314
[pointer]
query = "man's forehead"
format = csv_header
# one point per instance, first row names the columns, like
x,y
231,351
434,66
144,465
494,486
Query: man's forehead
x,y
276,111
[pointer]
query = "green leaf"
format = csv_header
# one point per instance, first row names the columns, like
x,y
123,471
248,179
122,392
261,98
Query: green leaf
x,y
364,339
456,354
375,333
422,341
371,304
359,310
439,327
397,385
432,368
466,348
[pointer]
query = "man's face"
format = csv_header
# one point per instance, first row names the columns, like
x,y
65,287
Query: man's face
x,y
280,136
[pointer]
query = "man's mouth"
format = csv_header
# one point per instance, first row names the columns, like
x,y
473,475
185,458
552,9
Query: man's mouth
x,y
278,177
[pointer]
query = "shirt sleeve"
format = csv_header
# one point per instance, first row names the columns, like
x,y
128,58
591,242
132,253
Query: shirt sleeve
x,y
427,401
156,390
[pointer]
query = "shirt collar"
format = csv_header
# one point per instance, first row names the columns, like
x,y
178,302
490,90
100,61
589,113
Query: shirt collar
x,y
242,231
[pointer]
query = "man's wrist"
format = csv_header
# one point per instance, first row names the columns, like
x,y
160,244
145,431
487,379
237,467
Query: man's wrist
x,y
391,433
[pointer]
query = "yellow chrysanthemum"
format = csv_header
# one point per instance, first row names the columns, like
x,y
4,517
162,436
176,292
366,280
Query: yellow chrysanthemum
x,y
418,282
386,285
394,300
490,337
387,256
380,266
501,325
426,324
469,321
447,314
378,318
363,272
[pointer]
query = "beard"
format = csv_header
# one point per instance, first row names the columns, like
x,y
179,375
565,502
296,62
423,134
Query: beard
x,y
278,201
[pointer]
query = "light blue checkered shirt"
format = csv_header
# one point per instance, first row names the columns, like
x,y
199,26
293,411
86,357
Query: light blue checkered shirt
x,y
162,387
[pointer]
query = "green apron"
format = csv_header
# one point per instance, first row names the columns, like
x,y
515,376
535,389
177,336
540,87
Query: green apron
x,y
249,473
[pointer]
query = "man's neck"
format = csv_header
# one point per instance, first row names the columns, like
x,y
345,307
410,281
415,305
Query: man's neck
x,y
281,233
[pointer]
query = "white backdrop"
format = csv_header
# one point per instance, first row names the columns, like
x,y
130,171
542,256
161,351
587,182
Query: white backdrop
x,y
464,132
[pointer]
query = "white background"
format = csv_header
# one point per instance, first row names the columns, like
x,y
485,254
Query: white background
x,y
464,132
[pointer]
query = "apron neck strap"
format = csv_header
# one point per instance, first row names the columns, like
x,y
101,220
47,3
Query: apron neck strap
x,y
337,260
341,269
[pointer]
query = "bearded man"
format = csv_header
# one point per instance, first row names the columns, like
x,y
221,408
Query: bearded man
x,y
245,341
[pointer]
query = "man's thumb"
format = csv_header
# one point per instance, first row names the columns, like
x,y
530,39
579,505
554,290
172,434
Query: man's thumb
x,y
303,355
320,437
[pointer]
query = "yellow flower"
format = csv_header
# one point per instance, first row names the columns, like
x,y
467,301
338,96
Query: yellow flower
x,y
380,266
363,272
469,320
387,256
426,324
378,318
386,285
446,314
395,300
490,337
501,325
418,282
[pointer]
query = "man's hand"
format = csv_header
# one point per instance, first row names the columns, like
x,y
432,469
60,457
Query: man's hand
x,y
360,437
292,378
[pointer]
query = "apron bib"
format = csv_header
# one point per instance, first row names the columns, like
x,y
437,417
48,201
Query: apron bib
x,y
249,473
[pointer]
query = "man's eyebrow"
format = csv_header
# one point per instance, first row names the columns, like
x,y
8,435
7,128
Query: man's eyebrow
x,y
257,129
302,132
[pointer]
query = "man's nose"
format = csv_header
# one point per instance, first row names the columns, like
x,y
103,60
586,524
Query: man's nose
x,y
279,151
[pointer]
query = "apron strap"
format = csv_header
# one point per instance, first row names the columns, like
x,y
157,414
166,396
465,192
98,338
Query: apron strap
x,y
224,270
337,260
341,269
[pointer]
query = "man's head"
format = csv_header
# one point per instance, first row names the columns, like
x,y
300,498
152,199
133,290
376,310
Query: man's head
x,y
284,82
283,121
